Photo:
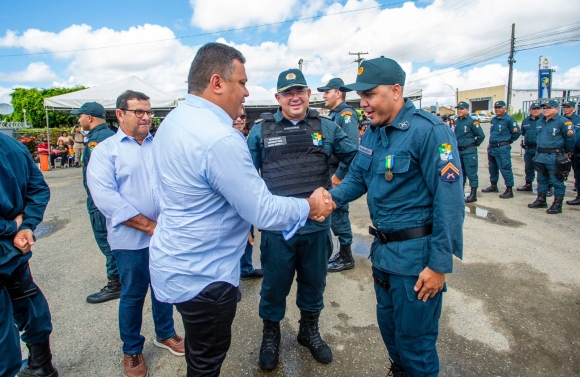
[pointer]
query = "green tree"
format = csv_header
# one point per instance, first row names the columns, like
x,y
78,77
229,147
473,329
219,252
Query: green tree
x,y
33,101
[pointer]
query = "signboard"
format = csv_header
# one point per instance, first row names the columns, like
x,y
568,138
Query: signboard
x,y
545,62
544,83
480,99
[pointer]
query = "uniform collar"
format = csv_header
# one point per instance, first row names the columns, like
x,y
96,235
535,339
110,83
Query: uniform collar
x,y
100,127
403,118
278,117
340,106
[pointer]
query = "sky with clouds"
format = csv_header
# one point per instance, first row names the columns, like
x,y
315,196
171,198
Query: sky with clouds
x,y
441,44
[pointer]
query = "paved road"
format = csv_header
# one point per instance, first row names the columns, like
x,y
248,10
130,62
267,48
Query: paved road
x,y
512,308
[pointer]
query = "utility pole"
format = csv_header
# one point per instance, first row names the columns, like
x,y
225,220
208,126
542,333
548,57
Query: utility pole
x,y
300,64
511,62
359,59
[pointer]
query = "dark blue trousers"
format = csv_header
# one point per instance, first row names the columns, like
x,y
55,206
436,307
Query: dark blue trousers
x,y
529,165
99,225
340,225
576,166
305,254
544,179
469,166
500,159
409,327
11,357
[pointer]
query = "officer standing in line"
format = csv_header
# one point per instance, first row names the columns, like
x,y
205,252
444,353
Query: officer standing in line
x,y
24,196
92,117
407,165
555,139
347,119
469,136
291,149
503,132
529,142
570,113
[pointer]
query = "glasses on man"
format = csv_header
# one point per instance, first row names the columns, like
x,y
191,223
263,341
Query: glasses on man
x,y
141,113
292,93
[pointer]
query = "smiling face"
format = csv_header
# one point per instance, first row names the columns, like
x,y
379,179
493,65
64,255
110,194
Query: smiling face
x,y
332,98
499,111
568,111
462,112
294,102
382,103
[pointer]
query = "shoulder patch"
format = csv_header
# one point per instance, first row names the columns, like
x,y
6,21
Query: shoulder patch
x,y
92,145
568,124
450,173
476,124
346,113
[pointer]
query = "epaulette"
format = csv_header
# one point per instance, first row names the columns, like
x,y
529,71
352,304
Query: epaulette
x,y
430,117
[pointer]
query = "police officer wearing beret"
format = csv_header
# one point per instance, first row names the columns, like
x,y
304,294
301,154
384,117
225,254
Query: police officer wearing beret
x,y
409,168
24,196
504,131
347,119
92,117
570,113
469,136
291,149
556,139
529,143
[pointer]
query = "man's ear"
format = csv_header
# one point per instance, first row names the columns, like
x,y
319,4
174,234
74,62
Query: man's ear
x,y
216,84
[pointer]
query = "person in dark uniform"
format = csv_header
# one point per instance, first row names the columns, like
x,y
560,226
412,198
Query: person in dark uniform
x,y
291,149
469,136
504,131
529,143
570,113
347,119
92,119
556,139
409,168
24,196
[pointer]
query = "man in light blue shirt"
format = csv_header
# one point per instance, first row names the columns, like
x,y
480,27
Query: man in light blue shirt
x,y
122,181
209,194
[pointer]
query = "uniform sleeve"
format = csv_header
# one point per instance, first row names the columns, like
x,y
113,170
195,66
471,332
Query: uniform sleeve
x,y
343,150
37,196
445,184
7,227
514,129
479,134
569,136
350,128
254,145
104,189
352,187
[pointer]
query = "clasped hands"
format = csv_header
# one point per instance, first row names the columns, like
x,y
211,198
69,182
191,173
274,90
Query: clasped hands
x,y
24,239
321,204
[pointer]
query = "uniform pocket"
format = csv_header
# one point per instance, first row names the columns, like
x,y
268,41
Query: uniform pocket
x,y
363,160
403,181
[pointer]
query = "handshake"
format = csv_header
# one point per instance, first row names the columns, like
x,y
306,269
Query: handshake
x,y
321,204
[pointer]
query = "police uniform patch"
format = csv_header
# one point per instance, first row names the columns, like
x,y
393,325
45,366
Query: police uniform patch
x,y
445,152
92,145
404,125
569,124
291,76
476,124
346,118
317,139
360,70
570,132
450,173
347,113
515,129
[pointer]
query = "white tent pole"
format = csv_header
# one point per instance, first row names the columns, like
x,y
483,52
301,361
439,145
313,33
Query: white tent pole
x,y
47,131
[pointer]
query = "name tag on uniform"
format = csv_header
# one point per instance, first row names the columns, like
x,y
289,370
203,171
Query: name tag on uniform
x,y
274,141
365,150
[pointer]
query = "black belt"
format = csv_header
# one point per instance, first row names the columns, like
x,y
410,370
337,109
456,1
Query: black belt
x,y
497,145
550,151
530,146
461,149
383,284
402,235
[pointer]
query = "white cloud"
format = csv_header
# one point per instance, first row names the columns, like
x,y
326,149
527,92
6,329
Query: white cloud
x,y
35,72
5,94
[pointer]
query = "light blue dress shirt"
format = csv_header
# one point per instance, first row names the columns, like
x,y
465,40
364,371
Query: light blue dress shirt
x,y
209,194
122,182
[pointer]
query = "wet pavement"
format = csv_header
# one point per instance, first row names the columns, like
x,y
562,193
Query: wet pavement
x,y
512,306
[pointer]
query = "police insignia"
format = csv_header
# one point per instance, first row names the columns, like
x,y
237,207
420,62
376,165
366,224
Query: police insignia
x,y
404,125
291,76
569,124
445,152
347,113
476,124
570,132
515,129
92,145
360,70
346,118
317,139
450,173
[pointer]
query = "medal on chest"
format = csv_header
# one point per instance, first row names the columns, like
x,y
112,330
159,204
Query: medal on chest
x,y
389,163
464,128
553,132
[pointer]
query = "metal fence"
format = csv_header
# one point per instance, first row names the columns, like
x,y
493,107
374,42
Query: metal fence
x,y
15,125
527,104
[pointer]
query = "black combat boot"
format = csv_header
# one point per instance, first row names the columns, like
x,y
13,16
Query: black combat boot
x,y
492,188
270,349
111,291
39,363
550,192
574,202
540,202
395,370
344,260
526,187
472,196
308,336
508,193
556,207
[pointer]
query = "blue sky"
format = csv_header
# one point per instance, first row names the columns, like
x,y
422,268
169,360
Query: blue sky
x,y
423,36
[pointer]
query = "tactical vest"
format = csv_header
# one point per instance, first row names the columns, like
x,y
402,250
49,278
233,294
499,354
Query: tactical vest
x,y
295,163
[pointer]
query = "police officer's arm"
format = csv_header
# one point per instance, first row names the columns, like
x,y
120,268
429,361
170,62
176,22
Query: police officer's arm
x,y
352,187
342,148
255,145
514,129
479,135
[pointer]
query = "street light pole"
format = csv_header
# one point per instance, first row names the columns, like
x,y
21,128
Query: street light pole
x,y
24,111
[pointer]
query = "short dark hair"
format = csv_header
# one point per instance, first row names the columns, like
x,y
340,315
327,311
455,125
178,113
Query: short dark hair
x,y
128,95
212,58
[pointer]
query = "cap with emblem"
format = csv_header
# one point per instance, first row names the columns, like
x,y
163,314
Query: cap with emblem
x,y
291,78
550,103
499,104
462,105
375,72
569,103
91,108
535,105
334,83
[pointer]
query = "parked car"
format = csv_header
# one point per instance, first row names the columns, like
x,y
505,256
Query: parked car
x,y
474,116
484,118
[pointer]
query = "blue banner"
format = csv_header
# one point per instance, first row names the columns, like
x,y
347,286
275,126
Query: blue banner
x,y
544,83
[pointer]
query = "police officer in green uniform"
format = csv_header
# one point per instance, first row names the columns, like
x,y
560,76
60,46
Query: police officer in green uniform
x,y
409,168
24,196
92,117
529,143
291,149
347,119
570,113
469,136
503,132
556,139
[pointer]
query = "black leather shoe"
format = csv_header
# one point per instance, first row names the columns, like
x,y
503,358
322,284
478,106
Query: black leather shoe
x,y
508,193
396,370
111,291
342,261
309,336
270,348
540,202
257,274
472,196
556,207
39,363
492,188
574,202
526,187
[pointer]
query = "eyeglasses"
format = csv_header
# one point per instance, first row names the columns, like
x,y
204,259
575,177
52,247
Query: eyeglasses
x,y
140,113
292,93
243,117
